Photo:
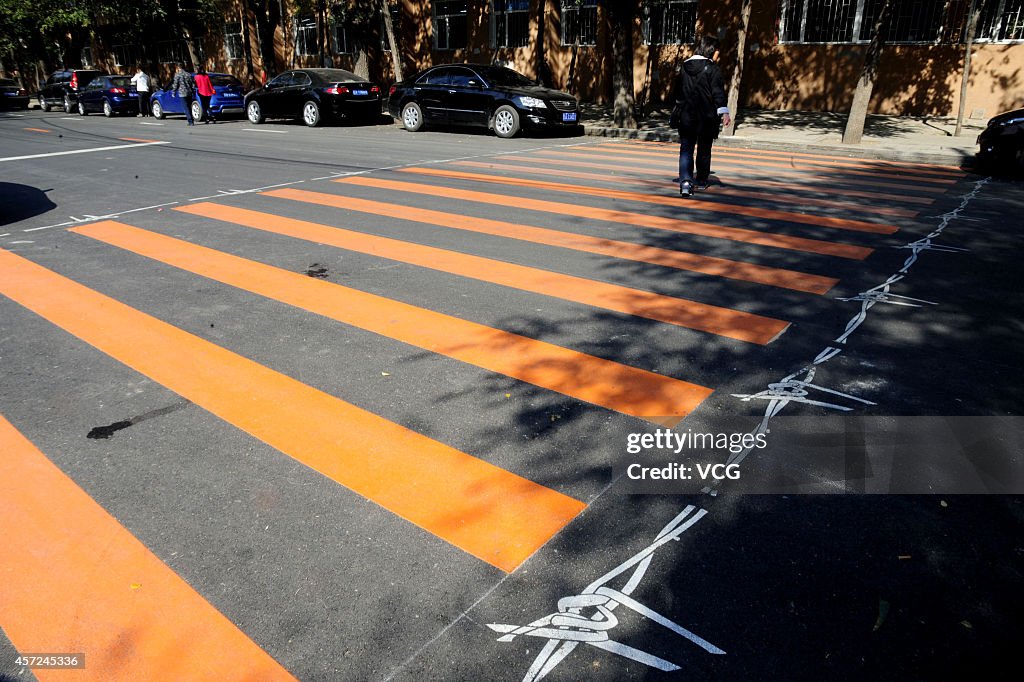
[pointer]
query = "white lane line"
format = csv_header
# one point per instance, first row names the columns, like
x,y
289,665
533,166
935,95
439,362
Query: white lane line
x,y
232,192
147,123
71,118
80,151
13,116
264,130
21,242
89,218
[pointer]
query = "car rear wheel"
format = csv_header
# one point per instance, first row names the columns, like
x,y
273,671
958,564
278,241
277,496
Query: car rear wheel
x,y
311,114
197,110
108,110
506,121
43,106
81,109
157,109
253,111
412,117
68,106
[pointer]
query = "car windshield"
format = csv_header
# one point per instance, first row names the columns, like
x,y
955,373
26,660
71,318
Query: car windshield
x,y
223,79
499,75
120,81
334,76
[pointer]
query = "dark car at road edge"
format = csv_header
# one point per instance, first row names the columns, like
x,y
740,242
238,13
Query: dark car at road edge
x,y
1001,144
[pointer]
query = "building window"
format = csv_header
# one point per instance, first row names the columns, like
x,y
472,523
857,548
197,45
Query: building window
x,y
305,36
170,52
342,33
449,24
852,21
86,56
1001,20
670,23
511,23
126,55
233,40
579,22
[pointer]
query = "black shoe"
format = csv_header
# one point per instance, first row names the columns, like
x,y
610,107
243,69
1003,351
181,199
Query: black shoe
x,y
685,189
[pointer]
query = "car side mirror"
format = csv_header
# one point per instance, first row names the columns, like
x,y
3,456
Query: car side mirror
x,y
473,83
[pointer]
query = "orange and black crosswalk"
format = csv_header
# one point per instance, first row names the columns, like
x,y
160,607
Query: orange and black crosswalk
x,y
510,225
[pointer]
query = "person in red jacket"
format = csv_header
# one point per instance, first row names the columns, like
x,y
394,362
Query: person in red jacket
x,y
204,88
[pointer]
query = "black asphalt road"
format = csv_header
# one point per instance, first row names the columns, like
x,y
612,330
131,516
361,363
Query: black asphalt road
x,y
785,586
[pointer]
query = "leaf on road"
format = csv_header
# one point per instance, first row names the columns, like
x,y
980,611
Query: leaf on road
x,y
883,612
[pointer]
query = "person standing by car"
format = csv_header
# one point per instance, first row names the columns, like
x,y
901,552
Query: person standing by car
x,y
700,107
142,86
185,86
205,89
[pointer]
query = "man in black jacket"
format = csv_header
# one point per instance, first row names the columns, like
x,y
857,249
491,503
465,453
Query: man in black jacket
x,y
700,108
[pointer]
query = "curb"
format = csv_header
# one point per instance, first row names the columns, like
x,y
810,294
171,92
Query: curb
x,y
665,134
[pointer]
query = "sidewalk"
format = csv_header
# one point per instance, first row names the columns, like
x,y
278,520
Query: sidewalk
x,y
895,138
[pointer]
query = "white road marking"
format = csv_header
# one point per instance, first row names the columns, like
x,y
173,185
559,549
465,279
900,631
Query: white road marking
x,y
233,192
21,242
80,151
265,130
88,218
147,123
71,118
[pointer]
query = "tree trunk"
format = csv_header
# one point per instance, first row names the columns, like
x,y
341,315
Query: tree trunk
x,y
972,28
737,72
268,16
541,67
862,95
389,29
622,15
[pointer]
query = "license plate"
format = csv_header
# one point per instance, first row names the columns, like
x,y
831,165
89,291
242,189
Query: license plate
x,y
360,93
569,117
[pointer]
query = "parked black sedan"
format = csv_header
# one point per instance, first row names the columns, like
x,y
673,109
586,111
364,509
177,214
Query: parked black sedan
x,y
1001,144
500,99
315,95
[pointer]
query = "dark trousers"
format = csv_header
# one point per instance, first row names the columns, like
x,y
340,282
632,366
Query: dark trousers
x,y
205,101
144,102
688,140
186,101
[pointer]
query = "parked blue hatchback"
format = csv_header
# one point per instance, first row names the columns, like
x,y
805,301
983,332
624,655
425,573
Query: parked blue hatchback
x,y
111,94
228,98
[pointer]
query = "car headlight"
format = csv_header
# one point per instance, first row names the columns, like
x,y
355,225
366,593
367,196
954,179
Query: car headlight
x,y
531,102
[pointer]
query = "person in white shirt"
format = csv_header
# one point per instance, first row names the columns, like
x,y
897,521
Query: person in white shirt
x,y
141,82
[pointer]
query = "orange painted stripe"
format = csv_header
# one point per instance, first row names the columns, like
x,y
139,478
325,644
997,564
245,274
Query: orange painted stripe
x,y
736,209
898,165
540,235
76,580
602,382
136,139
677,311
723,154
731,190
660,170
486,511
804,186
38,130
737,234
